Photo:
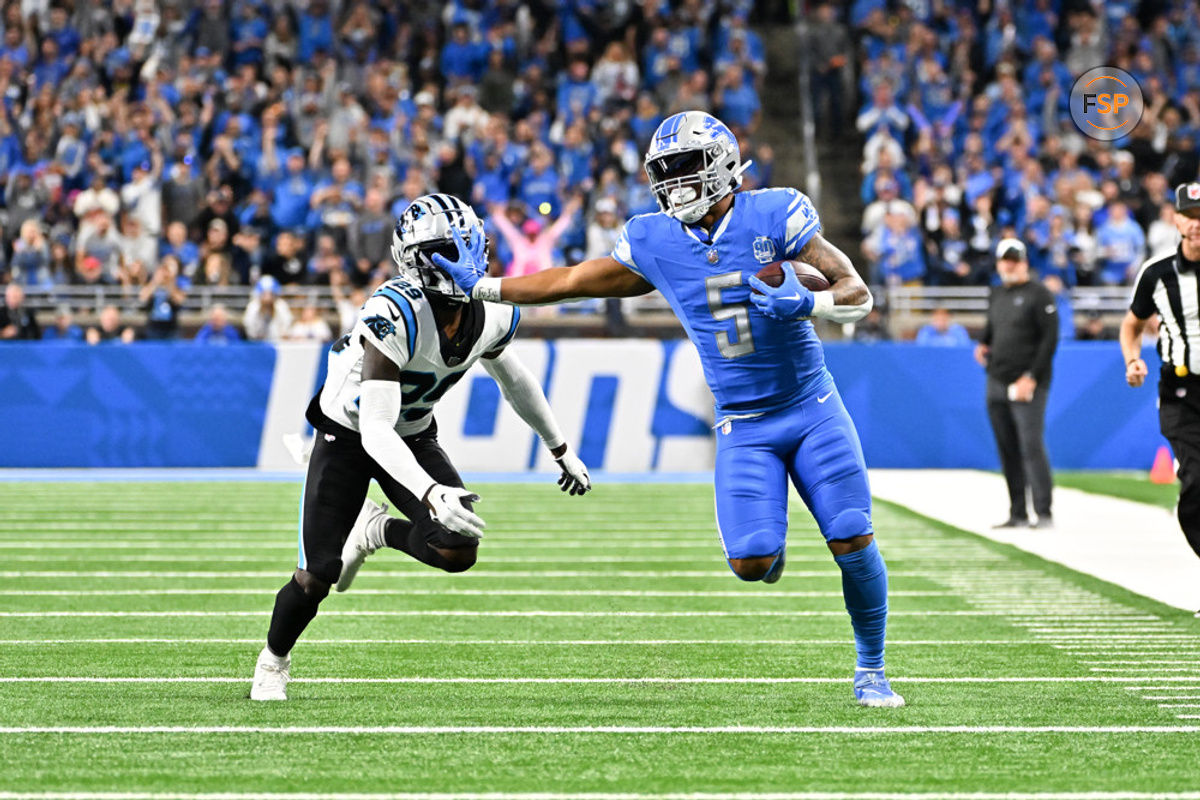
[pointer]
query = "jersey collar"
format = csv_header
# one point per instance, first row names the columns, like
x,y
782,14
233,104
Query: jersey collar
x,y
717,231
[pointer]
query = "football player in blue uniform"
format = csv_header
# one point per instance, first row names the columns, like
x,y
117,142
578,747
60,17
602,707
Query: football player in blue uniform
x,y
779,415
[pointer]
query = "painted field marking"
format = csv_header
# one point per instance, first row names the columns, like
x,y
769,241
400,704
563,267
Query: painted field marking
x,y
411,730
7,795
461,612
429,680
453,592
522,642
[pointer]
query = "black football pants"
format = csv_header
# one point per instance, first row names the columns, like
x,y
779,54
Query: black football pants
x,y
1179,419
1020,438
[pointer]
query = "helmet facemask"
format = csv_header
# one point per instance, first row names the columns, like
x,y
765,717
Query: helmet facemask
x,y
428,231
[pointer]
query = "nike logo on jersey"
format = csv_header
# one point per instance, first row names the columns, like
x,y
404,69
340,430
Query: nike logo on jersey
x,y
825,397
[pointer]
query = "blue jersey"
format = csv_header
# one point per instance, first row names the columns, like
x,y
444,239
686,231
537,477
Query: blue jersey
x,y
752,363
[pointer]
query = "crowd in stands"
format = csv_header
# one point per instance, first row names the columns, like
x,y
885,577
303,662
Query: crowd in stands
x,y
156,146
967,136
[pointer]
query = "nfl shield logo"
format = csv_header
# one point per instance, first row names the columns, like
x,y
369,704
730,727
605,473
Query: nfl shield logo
x,y
764,250
1193,191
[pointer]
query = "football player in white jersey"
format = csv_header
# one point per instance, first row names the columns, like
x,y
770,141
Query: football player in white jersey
x,y
414,339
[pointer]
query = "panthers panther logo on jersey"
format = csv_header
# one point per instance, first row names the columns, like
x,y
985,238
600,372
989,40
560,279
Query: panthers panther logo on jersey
x,y
382,328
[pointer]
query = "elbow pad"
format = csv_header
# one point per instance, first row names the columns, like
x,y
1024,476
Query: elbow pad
x,y
824,307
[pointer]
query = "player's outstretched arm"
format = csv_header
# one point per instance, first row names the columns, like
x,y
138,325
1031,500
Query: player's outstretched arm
x,y
597,277
848,299
379,408
523,393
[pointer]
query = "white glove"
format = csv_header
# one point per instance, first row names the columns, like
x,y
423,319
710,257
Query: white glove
x,y
445,504
575,478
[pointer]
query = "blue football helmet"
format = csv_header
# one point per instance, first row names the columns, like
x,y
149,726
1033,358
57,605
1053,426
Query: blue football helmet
x,y
693,162
426,228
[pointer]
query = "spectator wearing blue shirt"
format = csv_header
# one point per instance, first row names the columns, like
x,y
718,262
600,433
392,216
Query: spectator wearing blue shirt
x,y
882,114
1121,244
218,330
900,253
737,103
63,34
292,192
577,95
64,330
14,48
249,31
1062,300
942,331
335,201
539,184
463,60
657,61
576,158
315,31
51,68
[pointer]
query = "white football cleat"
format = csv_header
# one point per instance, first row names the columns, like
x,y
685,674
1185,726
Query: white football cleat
x,y
271,675
872,689
365,538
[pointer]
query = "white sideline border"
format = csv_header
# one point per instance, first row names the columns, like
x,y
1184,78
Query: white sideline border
x,y
424,730
1133,545
8,795
630,681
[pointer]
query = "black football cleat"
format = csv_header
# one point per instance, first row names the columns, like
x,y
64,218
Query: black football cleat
x,y
1012,522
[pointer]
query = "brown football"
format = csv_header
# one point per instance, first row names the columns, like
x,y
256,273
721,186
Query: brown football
x,y
809,276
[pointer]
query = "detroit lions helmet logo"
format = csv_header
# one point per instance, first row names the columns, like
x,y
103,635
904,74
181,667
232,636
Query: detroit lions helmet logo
x,y
764,250
382,328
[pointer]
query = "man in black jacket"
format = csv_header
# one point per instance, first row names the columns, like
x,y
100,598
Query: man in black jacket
x,y
1017,348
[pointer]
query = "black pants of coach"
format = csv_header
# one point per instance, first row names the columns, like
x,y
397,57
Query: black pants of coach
x,y
1179,419
1020,438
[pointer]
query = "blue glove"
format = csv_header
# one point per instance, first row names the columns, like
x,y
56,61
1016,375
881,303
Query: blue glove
x,y
790,300
469,267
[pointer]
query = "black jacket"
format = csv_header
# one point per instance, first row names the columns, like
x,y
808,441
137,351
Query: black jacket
x,y
1022,331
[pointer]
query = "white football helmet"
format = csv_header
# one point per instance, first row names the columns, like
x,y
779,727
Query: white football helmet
x,y
426,228
692,163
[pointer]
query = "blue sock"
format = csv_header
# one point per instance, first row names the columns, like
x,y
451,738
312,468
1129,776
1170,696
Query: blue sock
x,y
864,585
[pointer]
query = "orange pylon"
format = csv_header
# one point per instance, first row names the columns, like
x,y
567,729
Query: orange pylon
x,y
1163,470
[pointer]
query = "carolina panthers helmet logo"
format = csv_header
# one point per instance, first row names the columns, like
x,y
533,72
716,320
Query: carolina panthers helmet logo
x,y
764,250
381,327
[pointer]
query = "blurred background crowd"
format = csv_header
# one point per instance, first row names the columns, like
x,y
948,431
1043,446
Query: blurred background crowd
x,y
967,136
159,147
153,153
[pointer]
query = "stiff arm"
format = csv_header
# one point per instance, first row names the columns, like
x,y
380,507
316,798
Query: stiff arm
x,y
597,277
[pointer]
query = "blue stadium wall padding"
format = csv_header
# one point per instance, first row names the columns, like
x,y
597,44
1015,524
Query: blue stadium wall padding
x,y
144,405
924,407
632,405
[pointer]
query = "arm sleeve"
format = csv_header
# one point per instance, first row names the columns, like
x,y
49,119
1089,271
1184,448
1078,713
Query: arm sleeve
x,y
1142,305
524,394
1047,317
379,408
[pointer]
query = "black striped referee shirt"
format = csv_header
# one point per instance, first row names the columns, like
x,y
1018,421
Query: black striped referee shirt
x,y
1170,286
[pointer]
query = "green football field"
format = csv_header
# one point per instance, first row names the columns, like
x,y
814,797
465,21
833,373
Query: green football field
x,y
600,647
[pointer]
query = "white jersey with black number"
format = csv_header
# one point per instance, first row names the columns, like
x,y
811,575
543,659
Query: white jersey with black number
x,y
399,322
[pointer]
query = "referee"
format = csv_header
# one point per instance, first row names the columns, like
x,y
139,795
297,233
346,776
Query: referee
x,y
1170,287
1017,348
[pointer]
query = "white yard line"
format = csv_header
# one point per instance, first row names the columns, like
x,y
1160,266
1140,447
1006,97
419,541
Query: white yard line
x,y
6,795
451,592
411,730
529,642
461,612
740,680
1134,545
